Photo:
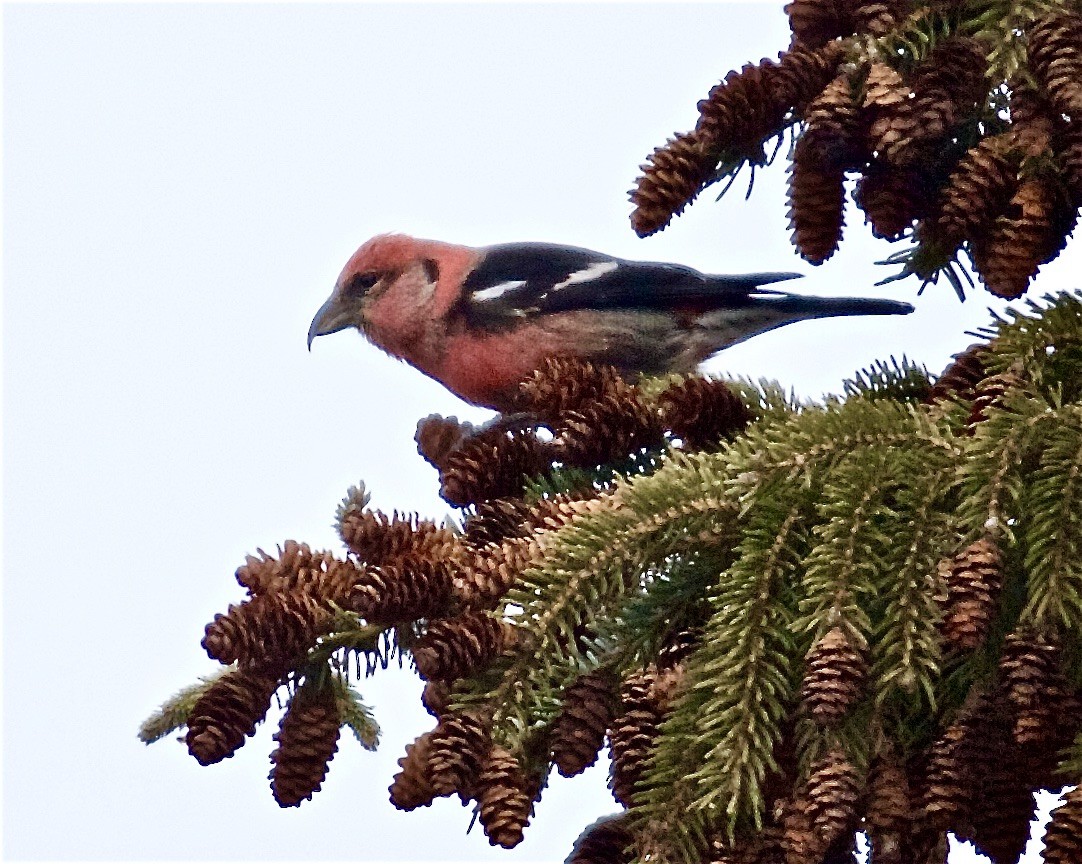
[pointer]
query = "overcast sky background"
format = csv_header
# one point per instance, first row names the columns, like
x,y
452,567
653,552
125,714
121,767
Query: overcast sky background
x,y
182,184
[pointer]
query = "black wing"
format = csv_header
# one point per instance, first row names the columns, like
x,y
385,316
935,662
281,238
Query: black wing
x,y
519,279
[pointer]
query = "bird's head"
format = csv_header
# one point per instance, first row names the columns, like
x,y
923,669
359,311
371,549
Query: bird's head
x,y
381,269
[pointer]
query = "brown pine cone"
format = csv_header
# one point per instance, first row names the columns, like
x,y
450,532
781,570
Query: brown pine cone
x,y
879,18
1006,807
1070,157
892,198
496,520
376,538
296,566
563,384
822,812
411,787
1036,689
960,379
816,208
607,431
494,463
832,791
949,787
947,86
671,178
227,713
272,630
1032,232
483,579
414,587
578,733
990,393
834,134
1063,837
505,795
889,810
802,73
702,412
816,22
644,701
457,751
436,697
1055,56
974,580
458,647
834,677
307,741
977,191
605,841
438,436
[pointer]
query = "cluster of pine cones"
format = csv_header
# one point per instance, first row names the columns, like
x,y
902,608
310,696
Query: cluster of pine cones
x,y
439,592
433,591
904,96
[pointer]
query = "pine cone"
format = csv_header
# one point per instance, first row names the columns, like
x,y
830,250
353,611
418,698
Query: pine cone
x,y
272,630
493,463
1006,806
437,437
607,431
605,841
506,798
496,520
832,791
990,393
879,18
307,741
834,133
436,697
974,580
411,787
413,588
457,647
816,22
1036,689
578,733
960,379
487,576
750,105
227,713
378,539
457,750
892,198
888,810
296,566
949,784
1071,159
1055,56
978,190
563,384
834,678
644,701
702,412
816,208
671,178
947,86
1063,837
802,73
822,812
1028,235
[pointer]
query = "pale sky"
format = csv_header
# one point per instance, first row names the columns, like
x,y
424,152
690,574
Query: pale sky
x,y
182,184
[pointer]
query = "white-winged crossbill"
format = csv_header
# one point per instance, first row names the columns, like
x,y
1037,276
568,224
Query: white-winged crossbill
x,y
481,320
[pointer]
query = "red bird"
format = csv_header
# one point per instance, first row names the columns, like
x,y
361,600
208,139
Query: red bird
x,y
480,320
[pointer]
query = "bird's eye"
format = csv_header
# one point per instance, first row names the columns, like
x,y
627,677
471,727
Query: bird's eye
x,y
359,284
